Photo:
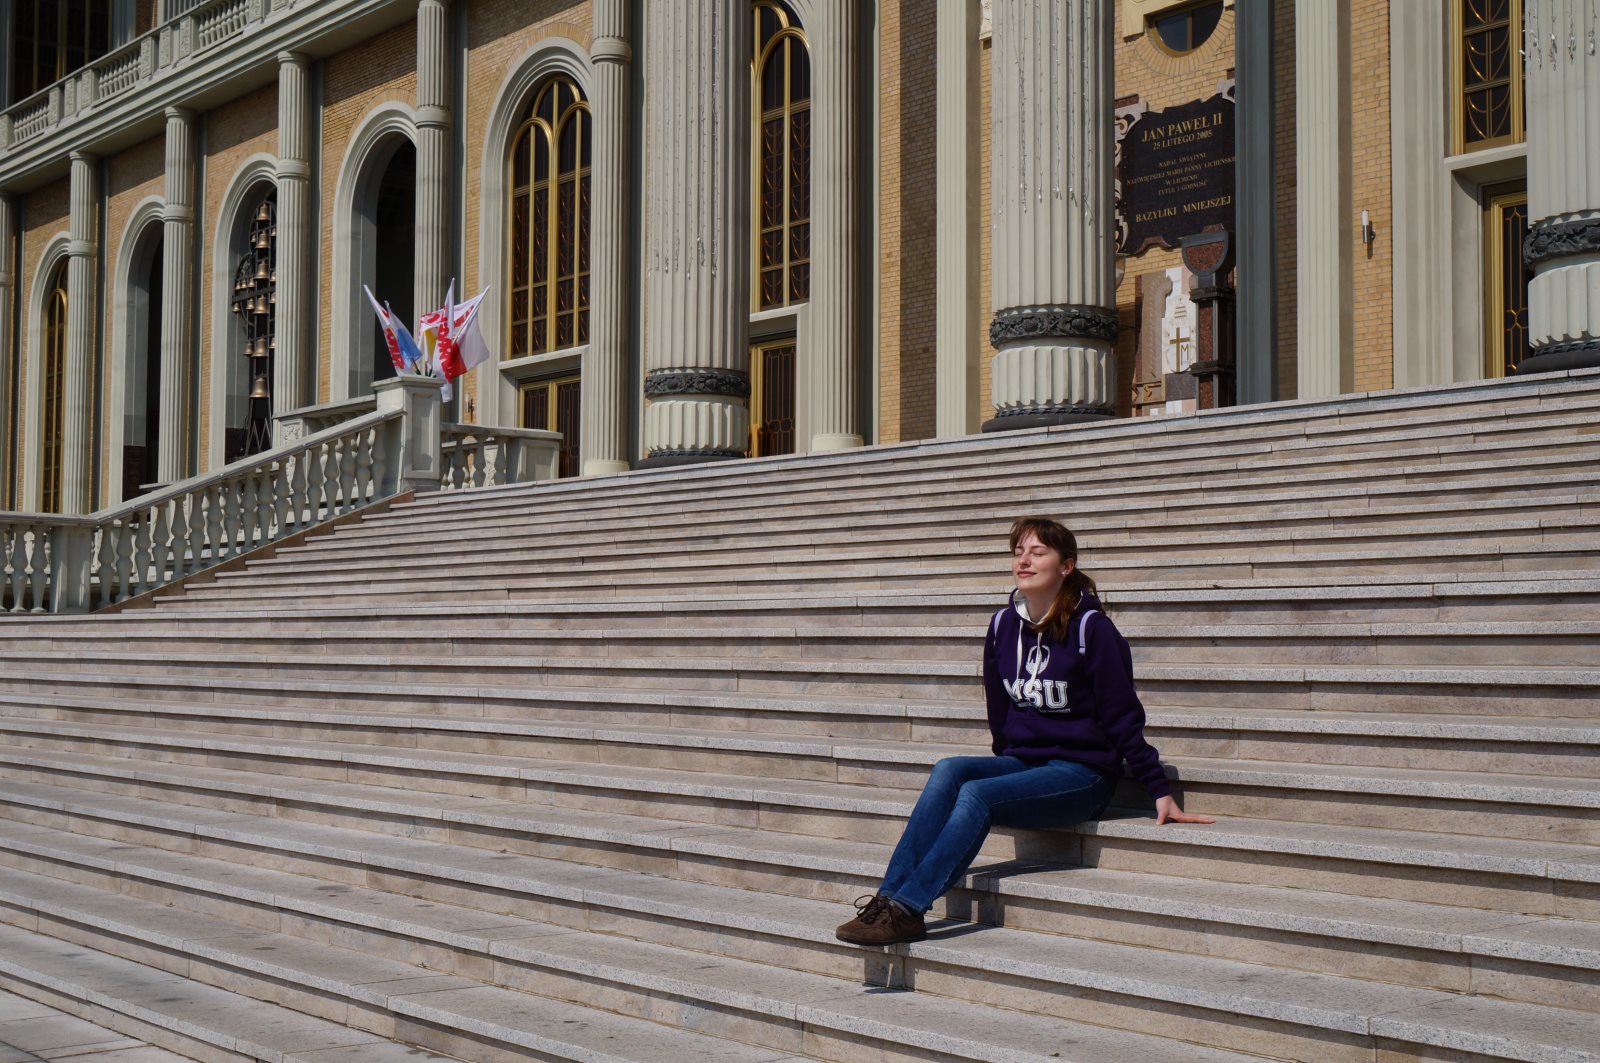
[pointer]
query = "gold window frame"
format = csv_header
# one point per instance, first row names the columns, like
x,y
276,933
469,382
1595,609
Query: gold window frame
x,y
1495,261
790,29
53,410
758,387
1458,103
553,386
550,188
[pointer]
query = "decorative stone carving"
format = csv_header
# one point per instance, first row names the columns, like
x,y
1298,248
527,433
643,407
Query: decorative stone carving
x,y
1056,322
1558,239
697,382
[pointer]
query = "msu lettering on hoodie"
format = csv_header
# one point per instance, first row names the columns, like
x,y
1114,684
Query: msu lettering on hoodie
x,y
1049,701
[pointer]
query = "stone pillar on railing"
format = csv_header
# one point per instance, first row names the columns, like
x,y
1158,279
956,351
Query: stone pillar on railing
x,y
433,254
82,268
296,250
71,552
604,397
697,355
177,296
414,461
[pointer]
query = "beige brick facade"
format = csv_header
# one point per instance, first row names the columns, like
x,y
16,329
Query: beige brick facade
x,y
234,132
1373,287
354,83
907,150
43,217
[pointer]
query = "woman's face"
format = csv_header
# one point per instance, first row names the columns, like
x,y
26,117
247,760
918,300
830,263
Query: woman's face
x,y
1038,569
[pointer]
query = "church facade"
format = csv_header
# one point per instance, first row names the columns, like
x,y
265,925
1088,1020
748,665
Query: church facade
x,y
721,228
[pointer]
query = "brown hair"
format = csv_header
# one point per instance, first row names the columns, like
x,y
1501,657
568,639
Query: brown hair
x,y
1054,535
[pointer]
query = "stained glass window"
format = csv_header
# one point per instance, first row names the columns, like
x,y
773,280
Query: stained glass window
x,y
1507,277
782,110
1488,73
53,431
548,281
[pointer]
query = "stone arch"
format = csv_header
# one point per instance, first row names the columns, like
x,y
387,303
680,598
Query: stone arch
x,y
554,55
225,389
132,312
31,487
373,146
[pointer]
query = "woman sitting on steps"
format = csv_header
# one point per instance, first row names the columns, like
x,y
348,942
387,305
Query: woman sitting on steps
x,y
1064,716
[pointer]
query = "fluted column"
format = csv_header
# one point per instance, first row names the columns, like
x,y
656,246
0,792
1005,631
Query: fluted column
x,y
177,296
697,353
296,263
1562,71
8,292
433,254
1055,318
82,265
1325,254
834,336
603,441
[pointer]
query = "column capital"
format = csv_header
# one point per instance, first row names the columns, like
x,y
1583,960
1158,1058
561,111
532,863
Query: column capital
x,y
80,248
294,170
293,59
86,157
177,212
183,114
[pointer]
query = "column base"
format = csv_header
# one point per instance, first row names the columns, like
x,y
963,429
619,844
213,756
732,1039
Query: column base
x,y
667,459
1557,357
1021,419
823,443
604,467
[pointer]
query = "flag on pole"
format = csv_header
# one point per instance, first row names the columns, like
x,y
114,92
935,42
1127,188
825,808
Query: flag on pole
x,y
457,341
390,338
409,351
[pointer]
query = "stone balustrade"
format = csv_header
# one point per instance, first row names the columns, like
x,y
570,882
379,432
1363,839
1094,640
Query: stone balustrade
x,y
484,456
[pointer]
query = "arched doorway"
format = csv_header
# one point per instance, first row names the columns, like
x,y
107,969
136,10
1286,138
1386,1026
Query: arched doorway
x,y
141,405
392,207
253,338
53,390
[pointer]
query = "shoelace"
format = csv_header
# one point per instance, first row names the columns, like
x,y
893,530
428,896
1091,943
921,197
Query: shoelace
x,y
869,908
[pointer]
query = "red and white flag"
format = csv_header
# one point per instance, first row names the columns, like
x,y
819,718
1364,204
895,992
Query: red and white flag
x,y
390,338
456,340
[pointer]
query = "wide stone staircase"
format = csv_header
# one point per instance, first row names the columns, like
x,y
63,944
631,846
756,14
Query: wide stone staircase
x,y
588,770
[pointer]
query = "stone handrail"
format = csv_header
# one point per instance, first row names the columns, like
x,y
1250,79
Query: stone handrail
x,y
485,456
51,563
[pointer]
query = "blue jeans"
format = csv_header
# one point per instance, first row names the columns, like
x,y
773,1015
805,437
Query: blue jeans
x,y
964,797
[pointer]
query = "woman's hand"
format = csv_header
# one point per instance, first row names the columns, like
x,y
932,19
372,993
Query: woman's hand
x,y
1167,811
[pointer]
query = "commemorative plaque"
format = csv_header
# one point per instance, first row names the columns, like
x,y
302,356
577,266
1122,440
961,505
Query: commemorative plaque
x,y
1174,171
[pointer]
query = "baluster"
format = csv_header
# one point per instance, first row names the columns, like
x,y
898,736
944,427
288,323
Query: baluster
x,y
331,472
183,535
302,488
230,490
247,509
213,524
163,566
39,566
17,564
347,472
143,578
102,562
361,478
8,571
314,481
119,542
380,459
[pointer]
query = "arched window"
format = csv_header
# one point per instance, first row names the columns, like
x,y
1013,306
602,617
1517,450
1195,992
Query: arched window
x,y
782,138
549,232
52,38
255,302
52,435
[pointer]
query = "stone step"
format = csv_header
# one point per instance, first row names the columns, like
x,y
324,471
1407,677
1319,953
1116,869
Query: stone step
x,y
1002,501
539,971
1513,643
1527,958
482,761
1522,745
31,1032
1474,536
202,1022
1198,998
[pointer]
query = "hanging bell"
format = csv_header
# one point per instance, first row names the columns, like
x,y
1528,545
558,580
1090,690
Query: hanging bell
x,y
258,390
261,305
238,307
263,213
273,296
261,269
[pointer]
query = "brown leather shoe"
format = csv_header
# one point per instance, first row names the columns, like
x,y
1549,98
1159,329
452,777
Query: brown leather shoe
x,y
879,921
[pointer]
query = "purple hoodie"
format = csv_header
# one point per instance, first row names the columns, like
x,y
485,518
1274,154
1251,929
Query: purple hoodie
x,y
1048,701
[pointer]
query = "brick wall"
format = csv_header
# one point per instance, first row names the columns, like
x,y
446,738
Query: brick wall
x,y
907,147
42,215
234,132
133,175
498,36
1373,288
379,70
